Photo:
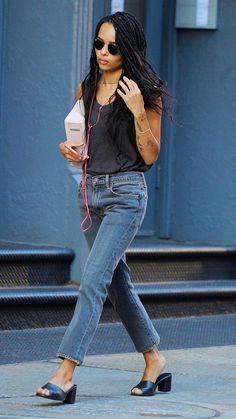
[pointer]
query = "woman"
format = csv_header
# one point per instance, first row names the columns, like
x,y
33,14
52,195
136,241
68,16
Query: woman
x,y
123,101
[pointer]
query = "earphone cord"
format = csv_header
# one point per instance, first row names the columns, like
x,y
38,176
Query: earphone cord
x,y
84,169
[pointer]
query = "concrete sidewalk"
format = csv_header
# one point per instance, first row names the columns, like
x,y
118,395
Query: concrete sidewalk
x,y
204,386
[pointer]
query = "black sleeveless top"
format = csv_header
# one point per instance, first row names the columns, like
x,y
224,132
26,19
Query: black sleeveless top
x,y
109,155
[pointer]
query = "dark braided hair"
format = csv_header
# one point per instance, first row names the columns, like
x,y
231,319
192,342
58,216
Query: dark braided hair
x,y
131,41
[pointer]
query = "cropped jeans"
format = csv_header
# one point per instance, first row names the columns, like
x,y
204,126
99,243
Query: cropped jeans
x,y
117,205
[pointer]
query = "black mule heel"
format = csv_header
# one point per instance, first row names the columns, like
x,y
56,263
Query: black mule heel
x,y
70,397
164,382
56,393
148,388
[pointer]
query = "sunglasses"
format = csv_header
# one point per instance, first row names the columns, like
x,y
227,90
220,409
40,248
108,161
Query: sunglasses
x,y
112,48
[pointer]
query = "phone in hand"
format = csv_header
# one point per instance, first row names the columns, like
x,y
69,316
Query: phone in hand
x,y
71,149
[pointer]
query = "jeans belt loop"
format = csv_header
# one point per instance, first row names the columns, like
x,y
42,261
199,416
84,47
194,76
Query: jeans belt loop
x,y
107,182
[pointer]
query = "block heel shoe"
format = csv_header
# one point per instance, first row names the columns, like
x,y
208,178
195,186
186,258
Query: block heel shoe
x,y
148,388
56,393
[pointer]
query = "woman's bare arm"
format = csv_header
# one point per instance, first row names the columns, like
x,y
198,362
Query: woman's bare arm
x,y
148,132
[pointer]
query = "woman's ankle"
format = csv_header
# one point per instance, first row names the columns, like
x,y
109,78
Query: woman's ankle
x,y
152,353
66,369
154,357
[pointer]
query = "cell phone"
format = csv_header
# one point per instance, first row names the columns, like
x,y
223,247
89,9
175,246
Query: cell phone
x,y
72,150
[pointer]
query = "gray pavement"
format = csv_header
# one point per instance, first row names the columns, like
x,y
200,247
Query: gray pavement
x,y
204,386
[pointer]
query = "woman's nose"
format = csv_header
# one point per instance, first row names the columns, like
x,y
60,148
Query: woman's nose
x,y
104,50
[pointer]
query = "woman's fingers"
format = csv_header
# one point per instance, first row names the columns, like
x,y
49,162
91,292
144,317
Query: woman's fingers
x,y
70,155
62,148
129,87
66,152
124,86
121,94
131,95
130,83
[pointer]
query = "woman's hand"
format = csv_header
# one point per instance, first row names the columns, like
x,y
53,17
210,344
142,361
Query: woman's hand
x,y
71,156
132,96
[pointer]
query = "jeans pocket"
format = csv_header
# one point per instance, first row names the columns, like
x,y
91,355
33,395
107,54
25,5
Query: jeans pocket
x,y
126,189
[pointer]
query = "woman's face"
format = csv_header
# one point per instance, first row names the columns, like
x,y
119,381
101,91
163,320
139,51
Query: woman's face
x,y
107,61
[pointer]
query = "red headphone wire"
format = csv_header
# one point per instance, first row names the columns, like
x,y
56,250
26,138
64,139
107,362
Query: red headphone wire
x,y
84,169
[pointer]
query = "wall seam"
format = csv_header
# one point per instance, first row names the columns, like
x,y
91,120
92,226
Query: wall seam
x,y
167,183
2,58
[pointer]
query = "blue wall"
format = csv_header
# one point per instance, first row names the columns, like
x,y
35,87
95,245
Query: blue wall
x,y
41,42
39,198
2,36
204,177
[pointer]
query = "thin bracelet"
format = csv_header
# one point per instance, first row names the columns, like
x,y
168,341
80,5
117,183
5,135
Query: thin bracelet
x,y
143,132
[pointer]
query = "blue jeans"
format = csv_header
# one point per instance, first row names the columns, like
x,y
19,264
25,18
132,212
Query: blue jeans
x,y
117,206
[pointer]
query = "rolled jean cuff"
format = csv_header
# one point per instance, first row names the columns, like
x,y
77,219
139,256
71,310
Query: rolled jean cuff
x,y
64,356
156,343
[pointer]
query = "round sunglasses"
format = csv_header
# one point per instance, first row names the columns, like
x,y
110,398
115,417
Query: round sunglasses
x,y
112,48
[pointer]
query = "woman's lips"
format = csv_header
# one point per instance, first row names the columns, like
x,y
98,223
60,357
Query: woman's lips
x,y
102,61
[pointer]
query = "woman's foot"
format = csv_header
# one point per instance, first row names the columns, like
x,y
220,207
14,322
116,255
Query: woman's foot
x,y
155,364
62,377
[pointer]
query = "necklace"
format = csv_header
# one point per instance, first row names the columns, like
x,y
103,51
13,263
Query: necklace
x,y
110,83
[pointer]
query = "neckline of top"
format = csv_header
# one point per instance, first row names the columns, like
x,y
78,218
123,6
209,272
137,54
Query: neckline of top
x,y
107,104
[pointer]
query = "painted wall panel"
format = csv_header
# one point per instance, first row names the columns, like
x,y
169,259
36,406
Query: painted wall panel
x,y
2,36
39,200
204,193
